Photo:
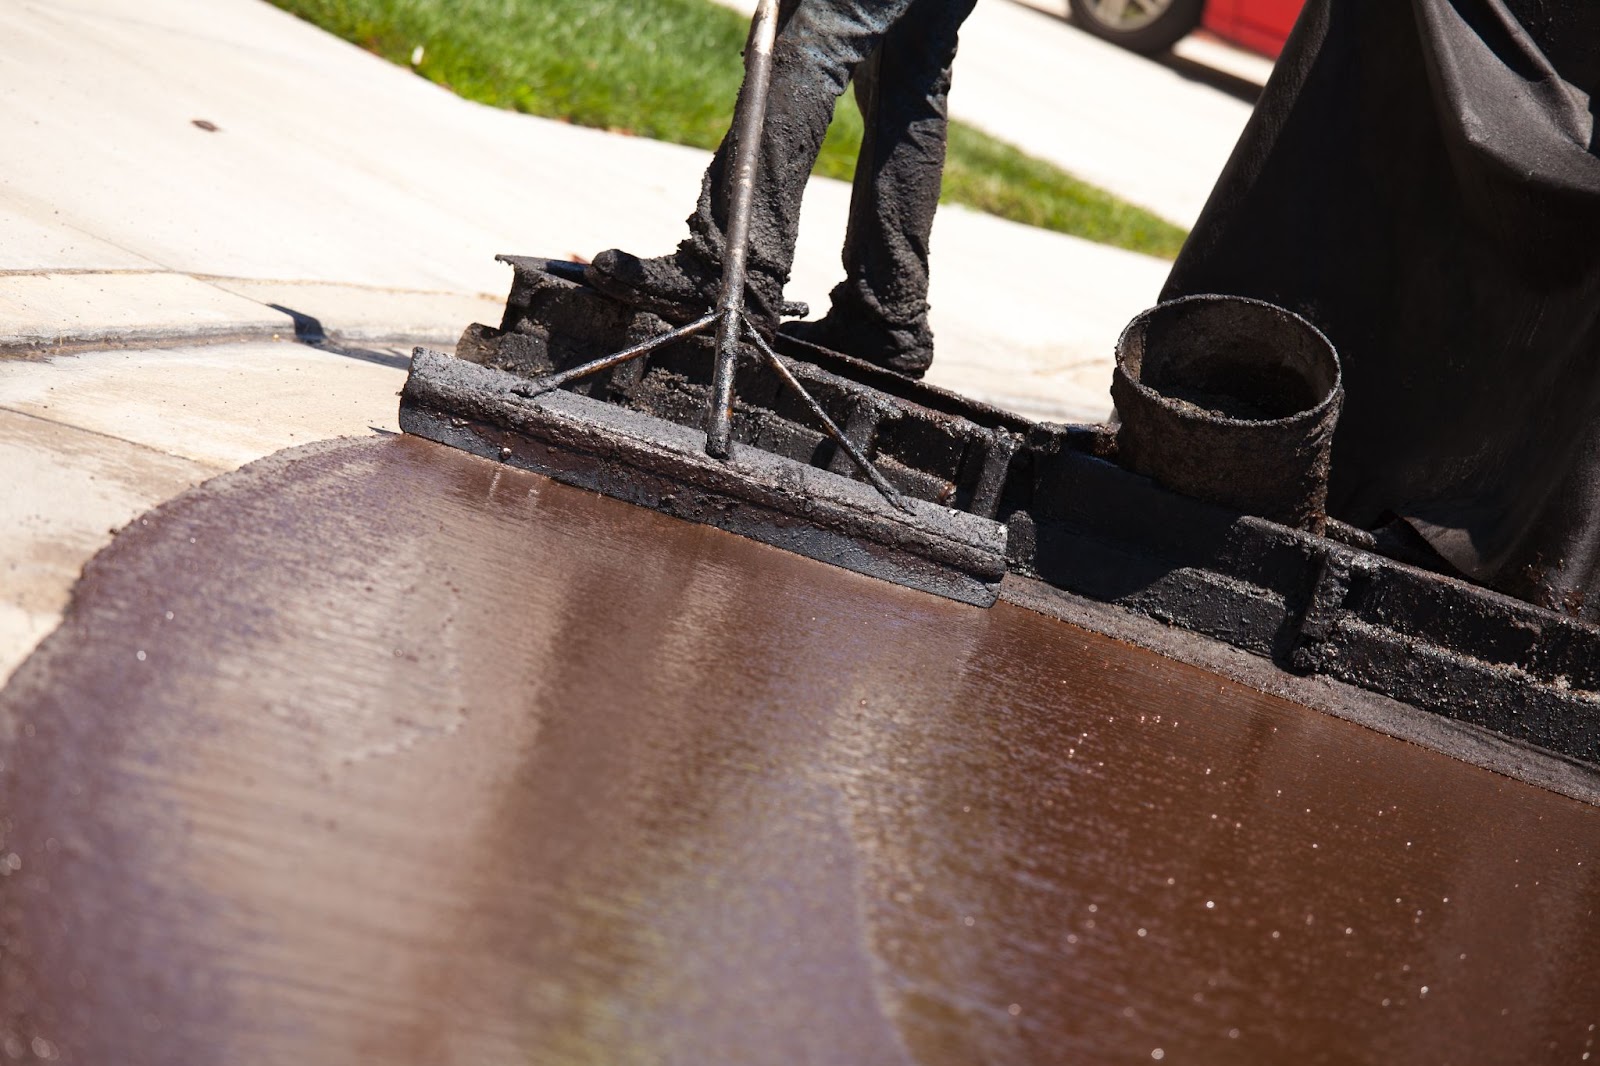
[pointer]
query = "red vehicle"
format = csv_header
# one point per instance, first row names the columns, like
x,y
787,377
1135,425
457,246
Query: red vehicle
x,y
1155,25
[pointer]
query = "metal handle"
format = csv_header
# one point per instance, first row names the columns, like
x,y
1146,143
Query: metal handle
x,y
748,125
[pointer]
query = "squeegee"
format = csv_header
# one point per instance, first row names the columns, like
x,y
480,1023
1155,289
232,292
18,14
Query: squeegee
x,y
542,421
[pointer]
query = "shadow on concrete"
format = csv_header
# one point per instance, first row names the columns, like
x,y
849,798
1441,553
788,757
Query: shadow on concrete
x,y
1239,88
308,330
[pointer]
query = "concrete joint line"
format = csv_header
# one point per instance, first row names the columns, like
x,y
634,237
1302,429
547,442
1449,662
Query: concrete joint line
x,y
232,279
46,272
74,427
71,344
388,290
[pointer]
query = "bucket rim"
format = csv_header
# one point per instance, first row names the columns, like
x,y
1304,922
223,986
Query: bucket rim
x,y
1307,414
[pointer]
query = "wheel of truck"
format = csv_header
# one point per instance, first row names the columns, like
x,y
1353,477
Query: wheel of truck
x,y
1144,26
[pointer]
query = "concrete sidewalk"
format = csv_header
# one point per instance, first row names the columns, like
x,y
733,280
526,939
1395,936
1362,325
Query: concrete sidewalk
x,y
154,271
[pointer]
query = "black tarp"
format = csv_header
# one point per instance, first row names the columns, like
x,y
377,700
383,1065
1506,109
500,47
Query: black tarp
x,y
1421,179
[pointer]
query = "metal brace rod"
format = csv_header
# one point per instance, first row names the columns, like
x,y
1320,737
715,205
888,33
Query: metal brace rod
x,y
879,482
540,385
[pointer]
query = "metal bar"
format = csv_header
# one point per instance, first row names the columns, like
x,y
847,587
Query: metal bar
x,y
748,125
540,385
828,424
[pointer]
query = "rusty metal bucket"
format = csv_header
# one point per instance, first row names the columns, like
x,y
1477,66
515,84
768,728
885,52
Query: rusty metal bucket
x,y
1230,400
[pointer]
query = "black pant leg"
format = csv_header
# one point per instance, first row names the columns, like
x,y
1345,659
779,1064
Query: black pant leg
x,y
819,45
902,90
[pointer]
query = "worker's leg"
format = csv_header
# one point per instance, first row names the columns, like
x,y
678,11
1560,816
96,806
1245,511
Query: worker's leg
x,y
819,44
880,310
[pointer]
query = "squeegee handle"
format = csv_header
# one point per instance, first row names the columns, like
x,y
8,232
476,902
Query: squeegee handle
x,y
748,124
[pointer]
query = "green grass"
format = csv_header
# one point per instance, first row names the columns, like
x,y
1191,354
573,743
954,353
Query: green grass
x,y
670,70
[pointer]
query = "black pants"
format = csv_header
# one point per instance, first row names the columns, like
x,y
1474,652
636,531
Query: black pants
x,y
899,53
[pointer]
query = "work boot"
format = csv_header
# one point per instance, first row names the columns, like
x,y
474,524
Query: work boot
x,y
680,287
905,351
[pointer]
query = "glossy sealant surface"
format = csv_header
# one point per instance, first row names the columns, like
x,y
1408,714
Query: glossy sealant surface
x,y
379,752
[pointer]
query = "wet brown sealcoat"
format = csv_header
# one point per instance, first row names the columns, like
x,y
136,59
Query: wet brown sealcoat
x,y
376,751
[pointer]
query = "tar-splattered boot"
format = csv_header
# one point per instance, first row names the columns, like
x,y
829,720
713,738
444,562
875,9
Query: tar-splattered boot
x,y
905,350
679,287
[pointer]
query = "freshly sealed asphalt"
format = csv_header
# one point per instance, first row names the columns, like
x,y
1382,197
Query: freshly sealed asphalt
x,y
377,751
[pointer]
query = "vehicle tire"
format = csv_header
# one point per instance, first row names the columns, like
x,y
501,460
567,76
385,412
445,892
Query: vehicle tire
x,y
1143,26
